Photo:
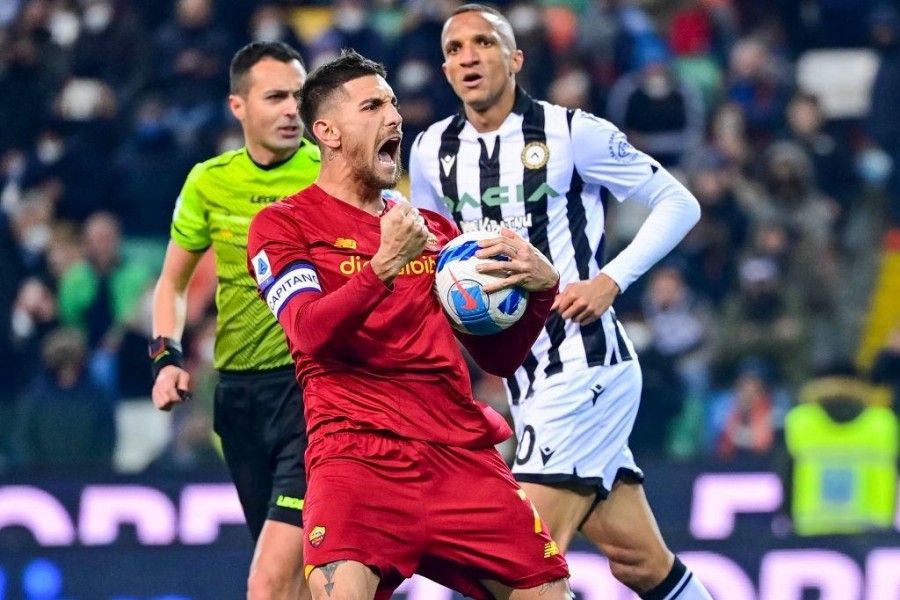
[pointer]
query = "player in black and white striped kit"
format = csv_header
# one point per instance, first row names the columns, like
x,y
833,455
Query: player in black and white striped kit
x,y
548,173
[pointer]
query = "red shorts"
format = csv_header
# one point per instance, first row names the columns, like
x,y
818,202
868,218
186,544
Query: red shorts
x,y
454,515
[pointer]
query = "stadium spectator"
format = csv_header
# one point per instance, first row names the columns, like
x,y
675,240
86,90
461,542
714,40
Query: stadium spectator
x,y
662,395
744,417
763,321
681,323
843,447
101,291
149,165
883,120
755,82
658,113
886,370
191,59
832,161
709,252
109,31
65,420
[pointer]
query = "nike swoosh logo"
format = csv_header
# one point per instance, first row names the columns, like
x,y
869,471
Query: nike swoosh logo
x,y
471,302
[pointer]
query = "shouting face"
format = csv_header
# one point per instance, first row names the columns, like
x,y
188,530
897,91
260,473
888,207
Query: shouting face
x,y
370,130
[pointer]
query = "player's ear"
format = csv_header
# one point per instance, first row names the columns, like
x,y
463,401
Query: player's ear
x,y
236,104
516,60
327,133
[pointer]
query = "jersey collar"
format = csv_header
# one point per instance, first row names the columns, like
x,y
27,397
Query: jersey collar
x,y
521,106
523,101
274,165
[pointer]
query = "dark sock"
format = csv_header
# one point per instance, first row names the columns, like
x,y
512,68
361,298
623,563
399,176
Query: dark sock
x,y
672,585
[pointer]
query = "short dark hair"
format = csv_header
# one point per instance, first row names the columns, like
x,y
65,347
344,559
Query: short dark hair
x,y
327,80
252,53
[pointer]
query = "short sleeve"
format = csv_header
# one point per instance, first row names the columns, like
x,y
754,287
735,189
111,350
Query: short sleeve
x,y
190,227
603,156
421,190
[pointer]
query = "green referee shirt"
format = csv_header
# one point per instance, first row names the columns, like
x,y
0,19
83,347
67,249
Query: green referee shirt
x,y
219,198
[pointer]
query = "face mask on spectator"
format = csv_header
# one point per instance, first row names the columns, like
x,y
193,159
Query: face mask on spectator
x,y
657,85
97,17
268,30
874,166
350,19
35,239
49,150
524,19
413,75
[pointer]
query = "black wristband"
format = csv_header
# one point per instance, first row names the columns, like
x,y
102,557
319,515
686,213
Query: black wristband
x,y
164,352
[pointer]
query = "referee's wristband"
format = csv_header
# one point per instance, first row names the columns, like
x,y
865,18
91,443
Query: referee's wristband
x,y
164,352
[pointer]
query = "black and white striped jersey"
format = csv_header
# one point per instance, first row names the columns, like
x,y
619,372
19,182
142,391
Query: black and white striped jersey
x,y
547,173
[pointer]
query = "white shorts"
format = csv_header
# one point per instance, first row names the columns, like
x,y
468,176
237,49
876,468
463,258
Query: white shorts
x,y
574,429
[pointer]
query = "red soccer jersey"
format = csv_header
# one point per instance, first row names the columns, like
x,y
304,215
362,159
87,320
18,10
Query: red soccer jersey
x,y
371,357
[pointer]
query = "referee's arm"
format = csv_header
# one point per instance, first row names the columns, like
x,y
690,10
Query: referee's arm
x,y
169,312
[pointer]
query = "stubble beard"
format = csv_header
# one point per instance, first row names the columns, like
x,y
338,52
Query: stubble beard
x,y
486,102
370,176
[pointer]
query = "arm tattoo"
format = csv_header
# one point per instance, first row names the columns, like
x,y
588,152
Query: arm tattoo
x,y
328,570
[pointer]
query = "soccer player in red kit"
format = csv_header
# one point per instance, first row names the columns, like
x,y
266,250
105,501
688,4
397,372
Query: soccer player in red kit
x,y
403,474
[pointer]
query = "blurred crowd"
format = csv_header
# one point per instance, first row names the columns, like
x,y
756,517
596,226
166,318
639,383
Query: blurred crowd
x,y
105,105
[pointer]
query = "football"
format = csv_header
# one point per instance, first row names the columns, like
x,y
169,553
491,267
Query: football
x,y
460,289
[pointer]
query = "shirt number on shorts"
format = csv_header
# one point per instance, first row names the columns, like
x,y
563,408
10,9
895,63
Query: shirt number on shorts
x,y
528,441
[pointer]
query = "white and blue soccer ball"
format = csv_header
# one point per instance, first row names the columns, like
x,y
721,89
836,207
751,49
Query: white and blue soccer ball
x,y
460,289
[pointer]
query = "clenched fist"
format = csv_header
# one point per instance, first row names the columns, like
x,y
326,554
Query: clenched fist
x,y
403,237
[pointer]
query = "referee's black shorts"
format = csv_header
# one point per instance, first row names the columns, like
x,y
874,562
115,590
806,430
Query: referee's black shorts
x,y
259,418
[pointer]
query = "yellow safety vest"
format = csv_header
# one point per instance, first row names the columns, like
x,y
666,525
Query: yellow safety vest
x,y
845,474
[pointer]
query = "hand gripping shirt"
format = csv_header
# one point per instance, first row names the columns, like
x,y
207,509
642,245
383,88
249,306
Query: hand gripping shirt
x,y
369,357
219,198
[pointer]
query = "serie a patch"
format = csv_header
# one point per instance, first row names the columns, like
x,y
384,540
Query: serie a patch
x,y
301,277
263,269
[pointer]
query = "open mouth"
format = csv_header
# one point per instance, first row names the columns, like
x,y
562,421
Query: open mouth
x,y
471,79
389,150
289,130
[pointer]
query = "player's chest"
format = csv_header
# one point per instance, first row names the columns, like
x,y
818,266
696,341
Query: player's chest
x,y
340,253
507,173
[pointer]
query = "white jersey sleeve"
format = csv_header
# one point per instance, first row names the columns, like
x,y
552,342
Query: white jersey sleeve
x,y
673,212
422,193
604,157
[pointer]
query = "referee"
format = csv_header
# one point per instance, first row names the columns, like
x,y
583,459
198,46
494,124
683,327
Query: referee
x,y
258,405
